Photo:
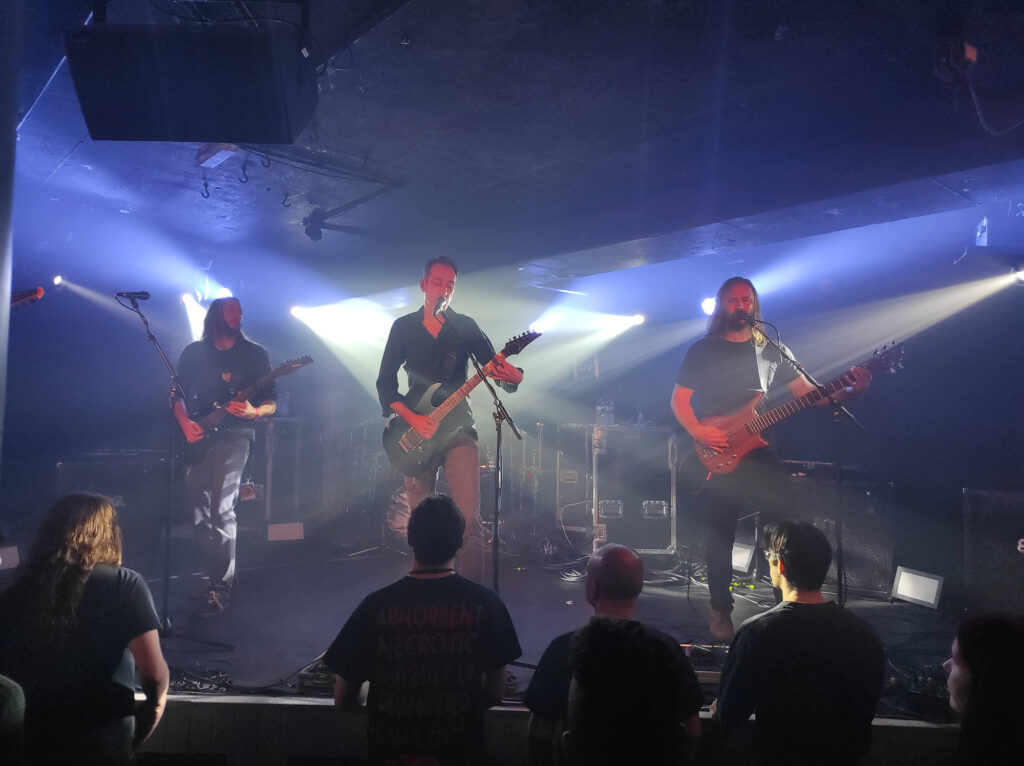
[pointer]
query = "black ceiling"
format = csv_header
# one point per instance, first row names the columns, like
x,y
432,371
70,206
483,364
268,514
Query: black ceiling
x,y
554,132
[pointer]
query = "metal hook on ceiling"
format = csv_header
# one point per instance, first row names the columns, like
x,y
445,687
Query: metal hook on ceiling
x,y
244,178
206,190
285,202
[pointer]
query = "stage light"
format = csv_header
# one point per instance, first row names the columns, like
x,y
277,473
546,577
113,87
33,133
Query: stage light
x,y
223,292
917,587
196,315
58,280
638,319
708,306
1018,275
298,312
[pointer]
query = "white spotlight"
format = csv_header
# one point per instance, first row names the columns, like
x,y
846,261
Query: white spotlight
x,y
708,306
1018,275
639,319
223,293
298,312
58,280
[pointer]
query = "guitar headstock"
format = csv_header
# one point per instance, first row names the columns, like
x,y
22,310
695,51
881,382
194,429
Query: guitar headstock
x,y
293,364
519,342
889,358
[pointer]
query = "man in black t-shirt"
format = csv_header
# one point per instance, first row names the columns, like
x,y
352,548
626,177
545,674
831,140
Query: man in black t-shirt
x,y
721,373
433,647
429,343
211,371
615,577
811,671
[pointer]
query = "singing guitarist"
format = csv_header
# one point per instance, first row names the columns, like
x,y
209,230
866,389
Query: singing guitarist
x,y
211,371
721,373
427,343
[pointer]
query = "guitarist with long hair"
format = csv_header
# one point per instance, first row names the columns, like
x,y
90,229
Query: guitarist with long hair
x,y
211,371
721,373
427,343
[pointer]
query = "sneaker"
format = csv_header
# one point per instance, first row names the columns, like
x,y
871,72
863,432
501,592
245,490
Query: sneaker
x,y
214,605
721,626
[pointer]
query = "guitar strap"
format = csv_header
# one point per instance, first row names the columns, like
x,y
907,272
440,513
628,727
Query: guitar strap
x,y
765,373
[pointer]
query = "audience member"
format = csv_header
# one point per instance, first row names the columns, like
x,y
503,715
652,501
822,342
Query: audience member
x,y
986,687
615,577
74,627
809,669
433,647
629,695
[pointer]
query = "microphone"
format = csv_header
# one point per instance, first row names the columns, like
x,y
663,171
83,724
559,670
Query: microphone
x,y
440,306
743,316
138,295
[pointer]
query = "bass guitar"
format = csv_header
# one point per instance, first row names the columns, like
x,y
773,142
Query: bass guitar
x,y
409,452
210,421
744,426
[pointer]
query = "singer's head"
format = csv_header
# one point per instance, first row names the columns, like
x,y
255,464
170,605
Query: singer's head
x,y
223,319
438,283
737,294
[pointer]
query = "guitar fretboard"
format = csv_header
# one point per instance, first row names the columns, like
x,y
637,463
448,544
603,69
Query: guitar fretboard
x,y
783,411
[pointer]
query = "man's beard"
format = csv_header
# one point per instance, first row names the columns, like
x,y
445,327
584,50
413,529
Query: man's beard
x,y
735,322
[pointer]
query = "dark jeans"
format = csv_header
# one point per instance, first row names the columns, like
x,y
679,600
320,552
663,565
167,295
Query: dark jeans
x,y
760,484
211,491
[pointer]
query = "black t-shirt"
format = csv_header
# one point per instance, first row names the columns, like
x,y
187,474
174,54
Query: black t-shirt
x,y
813,675
210,376
724,374
424,645
88,676
430,360
547,696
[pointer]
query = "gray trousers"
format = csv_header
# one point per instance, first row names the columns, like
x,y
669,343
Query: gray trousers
x,y
462,475
211,491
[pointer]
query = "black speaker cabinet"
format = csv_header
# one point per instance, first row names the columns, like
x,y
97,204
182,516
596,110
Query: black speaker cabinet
x,y
210,83
994,550
866,510
136,482
573,480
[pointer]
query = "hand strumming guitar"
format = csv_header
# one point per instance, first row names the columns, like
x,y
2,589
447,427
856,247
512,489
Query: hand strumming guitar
x,y
421,424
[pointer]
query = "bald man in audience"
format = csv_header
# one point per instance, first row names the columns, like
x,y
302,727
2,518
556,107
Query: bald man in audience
x,y
615,578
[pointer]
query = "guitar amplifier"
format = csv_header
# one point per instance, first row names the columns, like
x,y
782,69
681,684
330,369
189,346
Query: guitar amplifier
x,y
994,549
136,483
867,523
635,488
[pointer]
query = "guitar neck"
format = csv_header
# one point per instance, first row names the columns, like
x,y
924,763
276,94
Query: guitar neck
x,y
783,411
214,418
453,400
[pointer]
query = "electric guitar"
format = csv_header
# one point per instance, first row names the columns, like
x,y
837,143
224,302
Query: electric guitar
x,y
744,426
209,422
409,452
19,297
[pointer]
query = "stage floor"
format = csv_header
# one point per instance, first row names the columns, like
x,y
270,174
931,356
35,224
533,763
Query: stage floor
x,y
293,597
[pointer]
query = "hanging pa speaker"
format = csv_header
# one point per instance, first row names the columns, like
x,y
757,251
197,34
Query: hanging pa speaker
x,y
213,83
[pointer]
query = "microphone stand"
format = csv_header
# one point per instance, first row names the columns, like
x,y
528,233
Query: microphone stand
x,y
500,415
839,413
175,389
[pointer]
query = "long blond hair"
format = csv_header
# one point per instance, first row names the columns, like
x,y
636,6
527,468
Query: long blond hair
x,y
79,531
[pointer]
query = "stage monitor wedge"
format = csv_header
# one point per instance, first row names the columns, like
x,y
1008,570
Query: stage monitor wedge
x,y
190,83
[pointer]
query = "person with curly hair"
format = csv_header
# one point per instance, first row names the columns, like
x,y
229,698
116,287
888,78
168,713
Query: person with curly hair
x,y
75,626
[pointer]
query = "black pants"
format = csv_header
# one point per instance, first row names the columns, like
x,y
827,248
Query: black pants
x,y
760,484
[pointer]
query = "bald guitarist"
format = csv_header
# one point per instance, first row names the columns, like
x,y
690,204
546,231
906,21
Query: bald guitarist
x,y
427,343
721,374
